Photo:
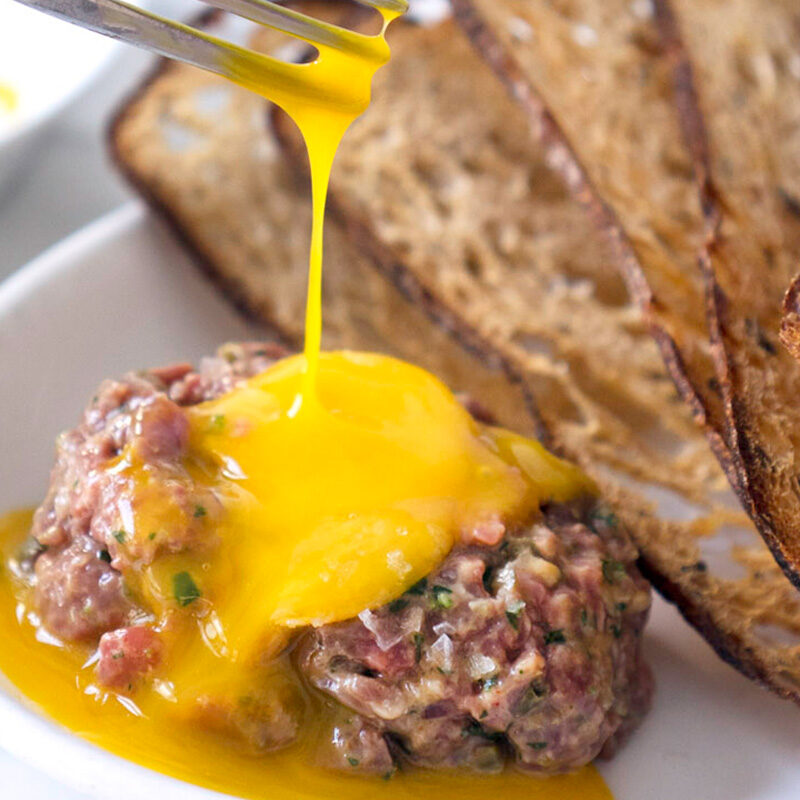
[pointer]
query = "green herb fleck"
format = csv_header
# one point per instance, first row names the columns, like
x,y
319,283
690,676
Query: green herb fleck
x,y
537,745
487,578
419,587
418,641
473,728
217,423
621,606
199,511
530,698
353,762
584,617
484,714
118,655
120,536
152,535
442,597
555,637
616,630
612,569
513,610
398,605
608,518
387,776
184,588
104,555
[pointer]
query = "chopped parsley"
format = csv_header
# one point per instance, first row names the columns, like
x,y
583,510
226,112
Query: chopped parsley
x,y
442,597
352,761
418,640
529,699
608,518
513,610
537,745
612,569
419,587
398,605
555,636
487,579
621,606
616,630
217,423
118,655
120,536
104,555
184,588
152,535
199,511
473,728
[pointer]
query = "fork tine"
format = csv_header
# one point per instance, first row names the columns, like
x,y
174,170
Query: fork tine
x,y
137,27
168,38
296,24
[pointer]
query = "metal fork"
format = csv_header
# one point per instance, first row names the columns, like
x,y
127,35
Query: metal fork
x,y
141,28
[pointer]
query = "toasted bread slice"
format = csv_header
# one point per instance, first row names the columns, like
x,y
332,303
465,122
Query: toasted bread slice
x,y
737,81
740,388
460,214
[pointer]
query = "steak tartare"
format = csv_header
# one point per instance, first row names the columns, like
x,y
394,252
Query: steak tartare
x,y
523,645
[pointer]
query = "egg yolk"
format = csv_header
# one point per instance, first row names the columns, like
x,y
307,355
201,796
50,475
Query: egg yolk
x,y
319,507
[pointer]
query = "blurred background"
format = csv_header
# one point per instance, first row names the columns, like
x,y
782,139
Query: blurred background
x,y
58,88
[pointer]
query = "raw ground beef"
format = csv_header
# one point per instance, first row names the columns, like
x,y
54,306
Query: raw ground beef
x,y
524,644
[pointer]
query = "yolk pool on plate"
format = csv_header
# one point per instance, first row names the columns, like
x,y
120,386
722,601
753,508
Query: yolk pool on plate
x,y
57,681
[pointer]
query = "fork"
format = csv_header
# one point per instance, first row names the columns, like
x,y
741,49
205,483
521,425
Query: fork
x,y
181,42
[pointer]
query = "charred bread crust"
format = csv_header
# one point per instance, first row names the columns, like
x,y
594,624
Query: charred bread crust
x,y
746,458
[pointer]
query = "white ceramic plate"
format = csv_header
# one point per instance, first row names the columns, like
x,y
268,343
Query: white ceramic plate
x,y
46,63
121,295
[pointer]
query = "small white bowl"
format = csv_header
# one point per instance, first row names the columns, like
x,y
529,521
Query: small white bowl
x,y
46,63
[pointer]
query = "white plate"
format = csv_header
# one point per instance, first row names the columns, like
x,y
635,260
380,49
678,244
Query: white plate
x,y
47,63
121,295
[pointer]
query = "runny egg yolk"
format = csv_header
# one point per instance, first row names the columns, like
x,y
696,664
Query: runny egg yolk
x,y
321,507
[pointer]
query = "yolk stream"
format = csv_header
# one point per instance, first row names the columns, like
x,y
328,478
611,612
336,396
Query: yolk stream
x,y
323,98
